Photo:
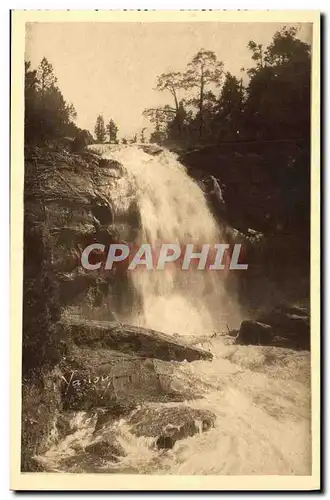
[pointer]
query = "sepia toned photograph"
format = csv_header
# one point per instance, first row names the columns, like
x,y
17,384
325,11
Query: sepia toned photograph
x,y
167,302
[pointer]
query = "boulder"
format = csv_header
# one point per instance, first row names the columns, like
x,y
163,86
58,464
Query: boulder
x,y
84,138
100,378
107,416
253,196
152,149
95,457
284,326
130,339
290,324
287,318
169,424
254,333
108,449
115,168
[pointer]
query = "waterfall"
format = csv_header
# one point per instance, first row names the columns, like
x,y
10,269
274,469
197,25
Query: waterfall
x,y
173,210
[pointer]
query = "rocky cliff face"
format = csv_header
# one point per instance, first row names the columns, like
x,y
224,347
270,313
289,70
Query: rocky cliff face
x,y
265,185
67,201
266,192
71,361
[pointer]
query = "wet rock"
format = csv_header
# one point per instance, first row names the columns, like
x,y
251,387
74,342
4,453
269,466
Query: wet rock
x,y
83,139
102,378
63,424
93,458
35,466
72,200
284,326
233,333
170,424
109,168
106,162
108,416
290,324
108,449
103,215
245,169
152,149
75,288
288,318
254,333
130,339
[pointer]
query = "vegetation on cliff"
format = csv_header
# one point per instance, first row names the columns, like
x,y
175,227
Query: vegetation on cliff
x,y
271,103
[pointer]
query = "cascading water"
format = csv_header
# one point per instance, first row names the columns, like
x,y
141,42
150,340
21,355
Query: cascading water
x,y
173,210
260,395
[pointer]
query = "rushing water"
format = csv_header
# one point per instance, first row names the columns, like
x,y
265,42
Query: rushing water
x,y
260,395
173,210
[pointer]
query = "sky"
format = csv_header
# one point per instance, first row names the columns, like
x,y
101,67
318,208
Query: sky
x,y
111,68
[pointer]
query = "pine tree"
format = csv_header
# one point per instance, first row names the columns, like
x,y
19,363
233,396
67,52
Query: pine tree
x,y
47,115
203,69
112,131
227,118
99,129
46,78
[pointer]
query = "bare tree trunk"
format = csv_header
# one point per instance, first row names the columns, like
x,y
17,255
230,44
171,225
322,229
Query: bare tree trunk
x,y
201,107
177,114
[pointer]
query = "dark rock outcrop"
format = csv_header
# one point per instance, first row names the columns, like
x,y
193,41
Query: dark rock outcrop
x,y
105,449
67,203
288,318
121,380
94,457
284,326
130,339
107,416
83,139
169,424
64,195
254,333
266,188
290,324
257,193
152,149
